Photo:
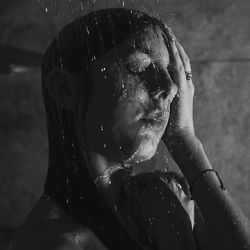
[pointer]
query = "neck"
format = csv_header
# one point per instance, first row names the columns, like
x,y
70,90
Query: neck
x,y
108,176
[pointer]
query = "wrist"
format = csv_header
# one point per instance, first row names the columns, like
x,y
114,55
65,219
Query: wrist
x,y
189,154
179,138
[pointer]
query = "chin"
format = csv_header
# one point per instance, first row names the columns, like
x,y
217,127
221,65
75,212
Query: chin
x,y
146,150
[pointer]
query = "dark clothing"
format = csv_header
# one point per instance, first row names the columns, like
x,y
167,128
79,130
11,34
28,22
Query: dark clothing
x,y
159,214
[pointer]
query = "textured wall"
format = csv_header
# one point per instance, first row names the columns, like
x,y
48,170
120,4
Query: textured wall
x,y
207,29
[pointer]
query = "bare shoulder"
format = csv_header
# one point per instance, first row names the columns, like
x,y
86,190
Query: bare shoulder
x,y
49,227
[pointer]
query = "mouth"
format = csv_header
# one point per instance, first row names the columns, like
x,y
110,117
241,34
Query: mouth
x,y
156,115
155,119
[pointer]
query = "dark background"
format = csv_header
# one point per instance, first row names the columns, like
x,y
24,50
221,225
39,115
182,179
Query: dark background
x,y
216,35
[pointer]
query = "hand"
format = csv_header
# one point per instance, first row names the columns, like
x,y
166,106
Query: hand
x,y
181,111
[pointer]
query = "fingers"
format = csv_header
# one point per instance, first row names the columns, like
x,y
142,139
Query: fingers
x,y
177,67
184,58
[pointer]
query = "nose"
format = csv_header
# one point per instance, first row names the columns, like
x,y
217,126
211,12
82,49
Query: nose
x,y
165,93
161,85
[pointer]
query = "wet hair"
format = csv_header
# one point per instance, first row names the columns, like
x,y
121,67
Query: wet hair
x,y
76,46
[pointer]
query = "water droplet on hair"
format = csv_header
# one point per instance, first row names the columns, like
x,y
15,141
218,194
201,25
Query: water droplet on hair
x,y
46,10
87,30
48,198
101,128
103,69
104,145
81,6
109,182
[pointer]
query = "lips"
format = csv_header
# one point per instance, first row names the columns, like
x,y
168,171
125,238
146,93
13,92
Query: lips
x,y
154,119
156,115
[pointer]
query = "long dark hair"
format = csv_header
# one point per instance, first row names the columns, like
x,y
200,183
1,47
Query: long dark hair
x,y
74,49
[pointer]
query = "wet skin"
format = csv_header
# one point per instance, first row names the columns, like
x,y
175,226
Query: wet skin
x,y
132,91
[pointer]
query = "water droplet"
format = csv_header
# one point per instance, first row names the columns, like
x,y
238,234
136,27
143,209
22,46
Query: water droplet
x,y
67,200
104,145
48,198
109,182
123,3
103,69
46,9
87,30
81,6
101,128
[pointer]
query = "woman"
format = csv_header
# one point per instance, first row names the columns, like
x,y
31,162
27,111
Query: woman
x,y
109,79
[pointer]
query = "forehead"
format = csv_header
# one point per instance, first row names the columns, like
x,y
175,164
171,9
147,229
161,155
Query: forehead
x,y
149,40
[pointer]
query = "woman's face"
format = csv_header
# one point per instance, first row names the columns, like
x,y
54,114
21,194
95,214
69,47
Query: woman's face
x,y
128,110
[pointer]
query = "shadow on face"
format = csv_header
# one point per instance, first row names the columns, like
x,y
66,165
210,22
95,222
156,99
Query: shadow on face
x,y
129,106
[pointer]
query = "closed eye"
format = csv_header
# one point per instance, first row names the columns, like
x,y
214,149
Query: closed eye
x,y
138,63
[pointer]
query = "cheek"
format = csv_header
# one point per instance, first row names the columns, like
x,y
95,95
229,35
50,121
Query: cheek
x,y
127,116
133,102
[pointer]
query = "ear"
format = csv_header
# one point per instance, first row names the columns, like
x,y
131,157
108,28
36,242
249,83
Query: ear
x,y
60,87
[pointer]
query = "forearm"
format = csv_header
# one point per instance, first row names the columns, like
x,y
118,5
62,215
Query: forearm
x,y
227,225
